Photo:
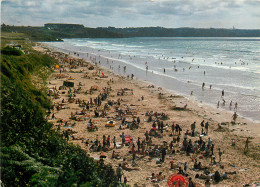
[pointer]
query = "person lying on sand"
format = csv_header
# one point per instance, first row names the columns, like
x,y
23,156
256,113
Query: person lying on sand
x,y
160,177
126,166
116,155
152,178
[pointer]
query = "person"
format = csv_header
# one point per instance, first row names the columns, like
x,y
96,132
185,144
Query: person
x,y
217,177
185,166
115,155
119,172
202,123
53,116
126,166
212,149
160,176
207,127
163,154
235,109
125,180
180,171
246,145
114,141
230,105
234,117
153,178
173,127
123,138
223,93
220,154
207,183
209,142
203,85
138,144
193,126
191,183
133,152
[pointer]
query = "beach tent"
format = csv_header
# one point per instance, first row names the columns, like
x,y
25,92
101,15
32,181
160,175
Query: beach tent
x,y
110,124
68,84
178,180
128,139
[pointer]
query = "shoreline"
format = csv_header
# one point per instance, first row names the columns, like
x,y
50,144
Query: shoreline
x,y
208,97
193,99
195,111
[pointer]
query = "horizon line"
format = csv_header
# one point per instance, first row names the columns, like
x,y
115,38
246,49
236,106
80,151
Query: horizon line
x,y
187,27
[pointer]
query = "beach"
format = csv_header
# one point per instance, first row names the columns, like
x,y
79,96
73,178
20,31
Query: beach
x,y
138,99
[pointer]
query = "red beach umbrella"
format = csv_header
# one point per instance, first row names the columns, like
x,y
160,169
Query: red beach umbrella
x,y
176,180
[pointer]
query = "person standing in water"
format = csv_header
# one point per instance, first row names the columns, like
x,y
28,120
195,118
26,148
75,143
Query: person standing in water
x,y
235,109
203,85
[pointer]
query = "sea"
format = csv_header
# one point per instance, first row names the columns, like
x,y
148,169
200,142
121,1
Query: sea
x,y
229,68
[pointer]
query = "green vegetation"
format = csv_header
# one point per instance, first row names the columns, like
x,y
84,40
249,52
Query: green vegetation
x,y
54,32
45,34
11,51
32,152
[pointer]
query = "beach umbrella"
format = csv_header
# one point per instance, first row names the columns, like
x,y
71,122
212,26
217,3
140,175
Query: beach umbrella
x,y
176,180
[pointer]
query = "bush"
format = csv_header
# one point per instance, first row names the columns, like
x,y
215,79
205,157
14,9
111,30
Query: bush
x,y
32,152
11,51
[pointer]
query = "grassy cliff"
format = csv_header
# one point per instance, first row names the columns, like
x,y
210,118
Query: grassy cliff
x,y
32,152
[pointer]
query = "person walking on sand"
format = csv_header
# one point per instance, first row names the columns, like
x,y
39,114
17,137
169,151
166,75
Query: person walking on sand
x,y
123,138
220,154
163,154
234,117
114,141
246,145
173,128
207,127
223,93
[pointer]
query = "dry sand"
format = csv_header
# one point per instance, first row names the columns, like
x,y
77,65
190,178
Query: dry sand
x,y
165,103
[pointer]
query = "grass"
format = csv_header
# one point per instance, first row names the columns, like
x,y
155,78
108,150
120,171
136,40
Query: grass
x,y
16,38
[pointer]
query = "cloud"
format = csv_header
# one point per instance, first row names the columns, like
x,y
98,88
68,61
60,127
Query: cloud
x,y
127,13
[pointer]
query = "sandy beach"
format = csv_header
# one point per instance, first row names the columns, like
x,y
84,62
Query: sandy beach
x,y
100,96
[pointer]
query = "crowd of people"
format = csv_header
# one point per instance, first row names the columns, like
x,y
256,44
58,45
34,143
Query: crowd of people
x,y
163,138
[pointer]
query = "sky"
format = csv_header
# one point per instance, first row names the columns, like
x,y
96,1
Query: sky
x,y
242,14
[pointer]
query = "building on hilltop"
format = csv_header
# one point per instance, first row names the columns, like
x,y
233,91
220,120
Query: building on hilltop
x,y
54,26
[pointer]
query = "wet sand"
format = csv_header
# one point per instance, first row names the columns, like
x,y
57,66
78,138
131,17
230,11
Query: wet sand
x,y
233,158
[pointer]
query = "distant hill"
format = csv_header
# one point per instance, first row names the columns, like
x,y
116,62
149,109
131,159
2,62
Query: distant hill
x,y
183,32
56,31
48,33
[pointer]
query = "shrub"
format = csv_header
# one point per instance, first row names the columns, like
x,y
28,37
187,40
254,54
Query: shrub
x,y
11,51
